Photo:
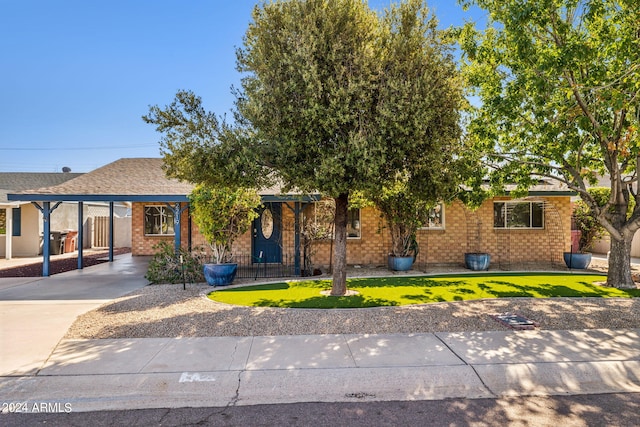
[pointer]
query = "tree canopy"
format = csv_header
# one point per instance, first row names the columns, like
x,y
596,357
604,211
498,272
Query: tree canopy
x,y
335,98
558,83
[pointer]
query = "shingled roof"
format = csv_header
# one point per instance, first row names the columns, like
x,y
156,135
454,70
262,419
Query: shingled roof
x,y
129,179
11,182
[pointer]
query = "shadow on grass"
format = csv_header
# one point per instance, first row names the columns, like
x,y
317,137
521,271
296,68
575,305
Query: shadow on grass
x,y
324,302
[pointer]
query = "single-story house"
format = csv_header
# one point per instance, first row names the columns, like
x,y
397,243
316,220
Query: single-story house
x,y
534,229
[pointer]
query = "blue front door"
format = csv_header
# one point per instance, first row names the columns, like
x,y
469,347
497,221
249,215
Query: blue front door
x,y
267,234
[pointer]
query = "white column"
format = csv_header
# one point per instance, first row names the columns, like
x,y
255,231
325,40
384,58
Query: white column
x,y
8,232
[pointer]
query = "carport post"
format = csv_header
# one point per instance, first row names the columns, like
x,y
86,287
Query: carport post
x,y
111,232
80,235
46,239
296,239
177,227
8,233
46,210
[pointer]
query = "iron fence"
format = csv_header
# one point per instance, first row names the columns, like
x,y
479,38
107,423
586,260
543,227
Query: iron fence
x,y
250,267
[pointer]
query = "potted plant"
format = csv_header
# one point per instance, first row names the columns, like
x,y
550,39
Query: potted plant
x,y
222,215
584,233
475,259
404,212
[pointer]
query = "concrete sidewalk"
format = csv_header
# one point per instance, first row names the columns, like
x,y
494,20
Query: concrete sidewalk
x,y
89,375
38,368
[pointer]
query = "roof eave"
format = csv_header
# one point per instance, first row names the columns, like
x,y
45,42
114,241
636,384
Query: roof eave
x,y
98,197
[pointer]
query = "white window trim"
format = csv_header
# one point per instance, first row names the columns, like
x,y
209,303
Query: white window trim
x,y
333,234
513,202
3,233
359,226
441,227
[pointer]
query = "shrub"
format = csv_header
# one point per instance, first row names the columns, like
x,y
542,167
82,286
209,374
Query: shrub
x,y
222,215
165,266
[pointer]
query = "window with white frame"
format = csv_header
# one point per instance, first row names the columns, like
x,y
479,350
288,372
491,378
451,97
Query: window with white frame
x,y
435,218
317,220
518,215
15,214
3,221
158,221
319,217
354,230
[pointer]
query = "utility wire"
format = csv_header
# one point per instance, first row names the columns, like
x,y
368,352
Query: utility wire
x,y
76,148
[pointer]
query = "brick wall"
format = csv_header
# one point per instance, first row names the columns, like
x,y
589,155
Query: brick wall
x,y
449,244
437,246
143,245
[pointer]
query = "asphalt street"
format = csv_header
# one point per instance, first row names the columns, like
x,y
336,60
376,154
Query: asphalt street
x,y
621,409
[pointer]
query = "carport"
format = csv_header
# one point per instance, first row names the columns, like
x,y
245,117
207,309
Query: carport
x,y
125,180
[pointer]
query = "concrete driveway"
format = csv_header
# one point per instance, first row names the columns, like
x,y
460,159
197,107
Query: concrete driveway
x,y
36,312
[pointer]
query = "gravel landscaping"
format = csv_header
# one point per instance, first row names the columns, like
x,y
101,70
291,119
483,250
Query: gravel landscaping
x,y
170,311
61,263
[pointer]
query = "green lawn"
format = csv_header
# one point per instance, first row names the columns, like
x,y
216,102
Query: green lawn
x,y
395,291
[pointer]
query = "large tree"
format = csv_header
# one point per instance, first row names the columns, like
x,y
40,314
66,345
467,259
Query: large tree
x,y
335,98
558,83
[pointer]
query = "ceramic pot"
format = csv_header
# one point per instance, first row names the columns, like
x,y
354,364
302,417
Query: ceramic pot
x,y
577,260
477,261
400,263
220,274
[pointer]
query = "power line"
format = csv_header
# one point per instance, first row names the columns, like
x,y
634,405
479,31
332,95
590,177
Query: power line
x,y
77,148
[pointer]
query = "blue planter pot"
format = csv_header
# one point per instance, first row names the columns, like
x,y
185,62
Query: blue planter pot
x,y
578,261
220,274
477,261
400,263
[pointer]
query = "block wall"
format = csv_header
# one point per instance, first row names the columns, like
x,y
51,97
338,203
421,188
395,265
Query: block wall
x,y
459,235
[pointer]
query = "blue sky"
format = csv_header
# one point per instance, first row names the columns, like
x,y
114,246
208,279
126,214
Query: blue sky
x,y
77,75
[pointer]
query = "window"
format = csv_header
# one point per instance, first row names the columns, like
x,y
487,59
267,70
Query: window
x,y
16,221
353,224
158,221
318,221
518,215
435,218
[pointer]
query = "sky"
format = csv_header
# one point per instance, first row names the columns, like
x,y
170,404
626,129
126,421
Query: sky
x,y
76,76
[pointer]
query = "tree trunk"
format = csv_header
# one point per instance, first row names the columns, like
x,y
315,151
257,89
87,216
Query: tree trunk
x,y
619,275
339,286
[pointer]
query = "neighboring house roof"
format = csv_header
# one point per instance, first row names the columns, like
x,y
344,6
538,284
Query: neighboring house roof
x,y
130,179
545,187
11,182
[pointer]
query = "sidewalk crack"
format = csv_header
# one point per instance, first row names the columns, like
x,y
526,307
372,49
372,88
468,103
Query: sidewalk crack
x,y
236,397
167,342
473,368
353,359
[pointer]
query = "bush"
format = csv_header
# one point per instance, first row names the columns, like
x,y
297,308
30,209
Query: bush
x,y
165,266
222,215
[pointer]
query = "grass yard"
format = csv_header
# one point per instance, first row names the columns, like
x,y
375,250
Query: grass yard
x,y
397,291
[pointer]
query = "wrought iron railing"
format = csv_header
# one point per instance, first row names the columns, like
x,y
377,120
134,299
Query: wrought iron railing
x,y
250,267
